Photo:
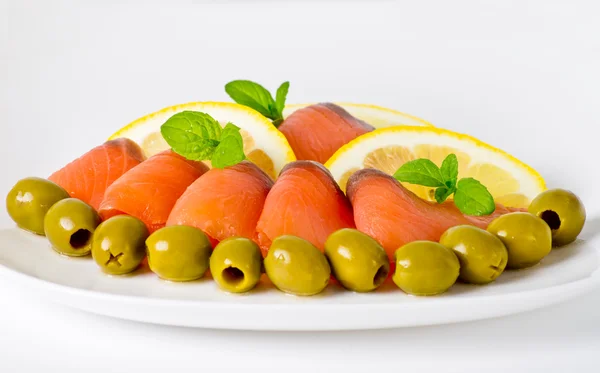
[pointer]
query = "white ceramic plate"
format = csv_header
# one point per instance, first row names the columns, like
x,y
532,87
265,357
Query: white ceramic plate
x,y
28,260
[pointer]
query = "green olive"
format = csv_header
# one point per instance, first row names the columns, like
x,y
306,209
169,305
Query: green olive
x,y
482,255
178,253
29,200
118,246
69,226
564,213
297,267
236,264
425,268
358,262
527,238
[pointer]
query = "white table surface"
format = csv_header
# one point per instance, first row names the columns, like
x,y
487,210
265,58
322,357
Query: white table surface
x,y
522,75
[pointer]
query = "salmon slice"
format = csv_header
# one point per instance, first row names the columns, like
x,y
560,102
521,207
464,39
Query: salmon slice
x,y
394,216
149,191
87,177
317,131
224,202
305,202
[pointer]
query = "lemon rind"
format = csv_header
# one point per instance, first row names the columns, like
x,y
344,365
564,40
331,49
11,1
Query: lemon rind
x,y
541,184
289,155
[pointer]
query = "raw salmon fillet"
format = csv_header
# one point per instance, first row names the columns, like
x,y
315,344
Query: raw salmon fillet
x,y
87,177
317,131
149,191
394,216
305,202
224,202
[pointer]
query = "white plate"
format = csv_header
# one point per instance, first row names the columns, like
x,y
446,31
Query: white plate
x,y
28,260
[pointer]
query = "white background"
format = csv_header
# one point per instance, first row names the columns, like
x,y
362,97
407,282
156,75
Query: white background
x,y
522,75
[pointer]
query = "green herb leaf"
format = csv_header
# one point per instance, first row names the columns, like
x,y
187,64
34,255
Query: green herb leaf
x,y
197,136
231,130
192,134
280,97
470,196
231,149
442,194
449,170
253,95
473,198
420,171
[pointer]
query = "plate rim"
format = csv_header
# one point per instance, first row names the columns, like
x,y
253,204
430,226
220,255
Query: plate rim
x,y
74,298
584,284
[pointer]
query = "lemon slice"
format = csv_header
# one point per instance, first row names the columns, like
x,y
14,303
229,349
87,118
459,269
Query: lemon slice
x,y
376,116
510,181
263,143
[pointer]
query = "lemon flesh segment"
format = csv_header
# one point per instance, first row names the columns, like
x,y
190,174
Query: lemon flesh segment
x,y
510,181
263,161
263,143
377,116
153,143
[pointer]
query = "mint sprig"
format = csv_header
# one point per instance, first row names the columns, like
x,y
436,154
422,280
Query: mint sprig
x,y
199,137
470,196
257,97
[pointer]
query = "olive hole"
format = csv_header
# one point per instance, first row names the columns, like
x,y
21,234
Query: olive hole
x,y
551,218
114,259
497,268
380,276
80,238
233,275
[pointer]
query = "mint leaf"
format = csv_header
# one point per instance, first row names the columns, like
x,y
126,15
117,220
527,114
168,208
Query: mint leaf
x,y
197,136
420,171
280,97
470,196
192,134
253,95
449,170
231,148
232,130
442,194
473,198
